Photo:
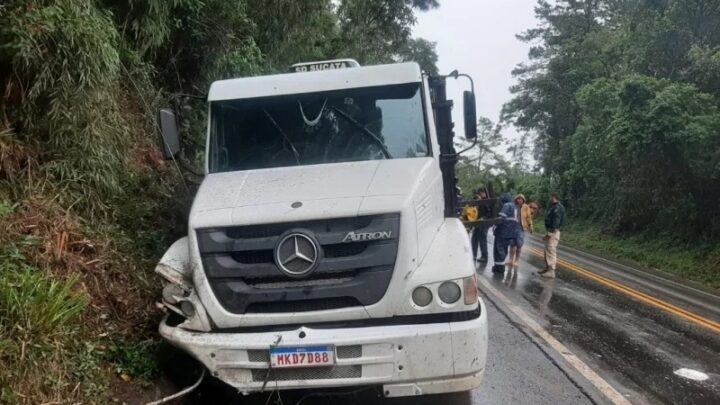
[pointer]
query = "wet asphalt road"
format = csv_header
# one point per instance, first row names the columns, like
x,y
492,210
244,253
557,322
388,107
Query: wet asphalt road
x,y
633,346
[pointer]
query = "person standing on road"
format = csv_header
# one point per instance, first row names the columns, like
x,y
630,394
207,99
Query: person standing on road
x,y
505,232
553,222
479,233
525,219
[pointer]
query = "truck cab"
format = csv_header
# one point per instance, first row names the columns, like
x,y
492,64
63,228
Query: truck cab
x,y
323,247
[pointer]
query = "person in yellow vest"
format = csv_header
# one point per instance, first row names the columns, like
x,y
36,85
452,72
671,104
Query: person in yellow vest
x,y
525,218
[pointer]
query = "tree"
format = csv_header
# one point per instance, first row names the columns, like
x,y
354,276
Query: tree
x,y
421,51
81,82
483,155
373,31
621,98
290,31
520,152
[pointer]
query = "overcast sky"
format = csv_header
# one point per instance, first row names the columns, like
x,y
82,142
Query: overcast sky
x,y
477,37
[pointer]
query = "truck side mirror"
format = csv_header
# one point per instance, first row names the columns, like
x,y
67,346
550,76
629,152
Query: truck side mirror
x,y
170,133
470,115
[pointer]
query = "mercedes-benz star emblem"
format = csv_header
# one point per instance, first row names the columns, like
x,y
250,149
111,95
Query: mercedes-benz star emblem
x,y
296,254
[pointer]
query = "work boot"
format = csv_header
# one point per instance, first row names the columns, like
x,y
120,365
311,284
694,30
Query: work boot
x,y
498,269
548,273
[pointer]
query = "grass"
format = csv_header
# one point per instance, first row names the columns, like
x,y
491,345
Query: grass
x,y
698,262
136,360
77,320
5,208
39,335
76,302
87,205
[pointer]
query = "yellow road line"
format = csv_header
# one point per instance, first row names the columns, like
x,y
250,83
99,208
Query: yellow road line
x,y
712,325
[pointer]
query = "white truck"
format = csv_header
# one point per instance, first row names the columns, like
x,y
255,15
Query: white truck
x,y
324,248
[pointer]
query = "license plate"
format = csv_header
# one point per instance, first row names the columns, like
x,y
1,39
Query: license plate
x,y
285,357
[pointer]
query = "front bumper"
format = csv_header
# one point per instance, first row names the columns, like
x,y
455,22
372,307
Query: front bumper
x,y
405,359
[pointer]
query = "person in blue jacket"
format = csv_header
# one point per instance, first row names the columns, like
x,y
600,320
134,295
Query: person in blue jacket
x,y
505,232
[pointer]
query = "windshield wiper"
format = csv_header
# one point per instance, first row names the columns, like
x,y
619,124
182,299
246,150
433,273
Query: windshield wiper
x,y
284,135
368,132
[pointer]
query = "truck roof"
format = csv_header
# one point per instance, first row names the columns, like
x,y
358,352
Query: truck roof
x,y
310,82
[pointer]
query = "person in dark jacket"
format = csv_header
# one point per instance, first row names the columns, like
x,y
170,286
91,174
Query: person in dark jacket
x,y
505,232
554,220
479,233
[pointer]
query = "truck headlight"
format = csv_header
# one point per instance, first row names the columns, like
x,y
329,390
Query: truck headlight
x,y
172,293
449,292
422,296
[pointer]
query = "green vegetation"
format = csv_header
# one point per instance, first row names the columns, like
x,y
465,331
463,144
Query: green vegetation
x,y
37,334
620,107
622,97
87,205
532,185
137,360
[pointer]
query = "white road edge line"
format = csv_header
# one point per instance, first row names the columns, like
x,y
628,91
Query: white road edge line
x,y
603,386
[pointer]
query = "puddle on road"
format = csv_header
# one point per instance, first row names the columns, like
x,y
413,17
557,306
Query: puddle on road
x,y
691,374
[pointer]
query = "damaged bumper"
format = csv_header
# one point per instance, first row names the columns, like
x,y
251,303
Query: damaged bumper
x,y
406,359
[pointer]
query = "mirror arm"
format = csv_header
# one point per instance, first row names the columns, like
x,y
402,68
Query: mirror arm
x,y
475,141
456,154
454,74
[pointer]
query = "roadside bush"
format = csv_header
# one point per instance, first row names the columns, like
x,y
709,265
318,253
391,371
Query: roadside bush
x,y
64,67
87,203
137,360
38,337
77,148
644,157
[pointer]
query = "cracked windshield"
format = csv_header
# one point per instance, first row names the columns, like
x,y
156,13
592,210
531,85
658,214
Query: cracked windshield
x,y
339,126
360,202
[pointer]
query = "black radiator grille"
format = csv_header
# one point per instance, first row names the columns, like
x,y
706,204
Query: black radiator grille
x,y
345,249
253,256
302,305
240,265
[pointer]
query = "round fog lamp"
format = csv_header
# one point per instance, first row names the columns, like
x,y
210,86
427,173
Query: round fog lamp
x,y
187,308
422,296
449,292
